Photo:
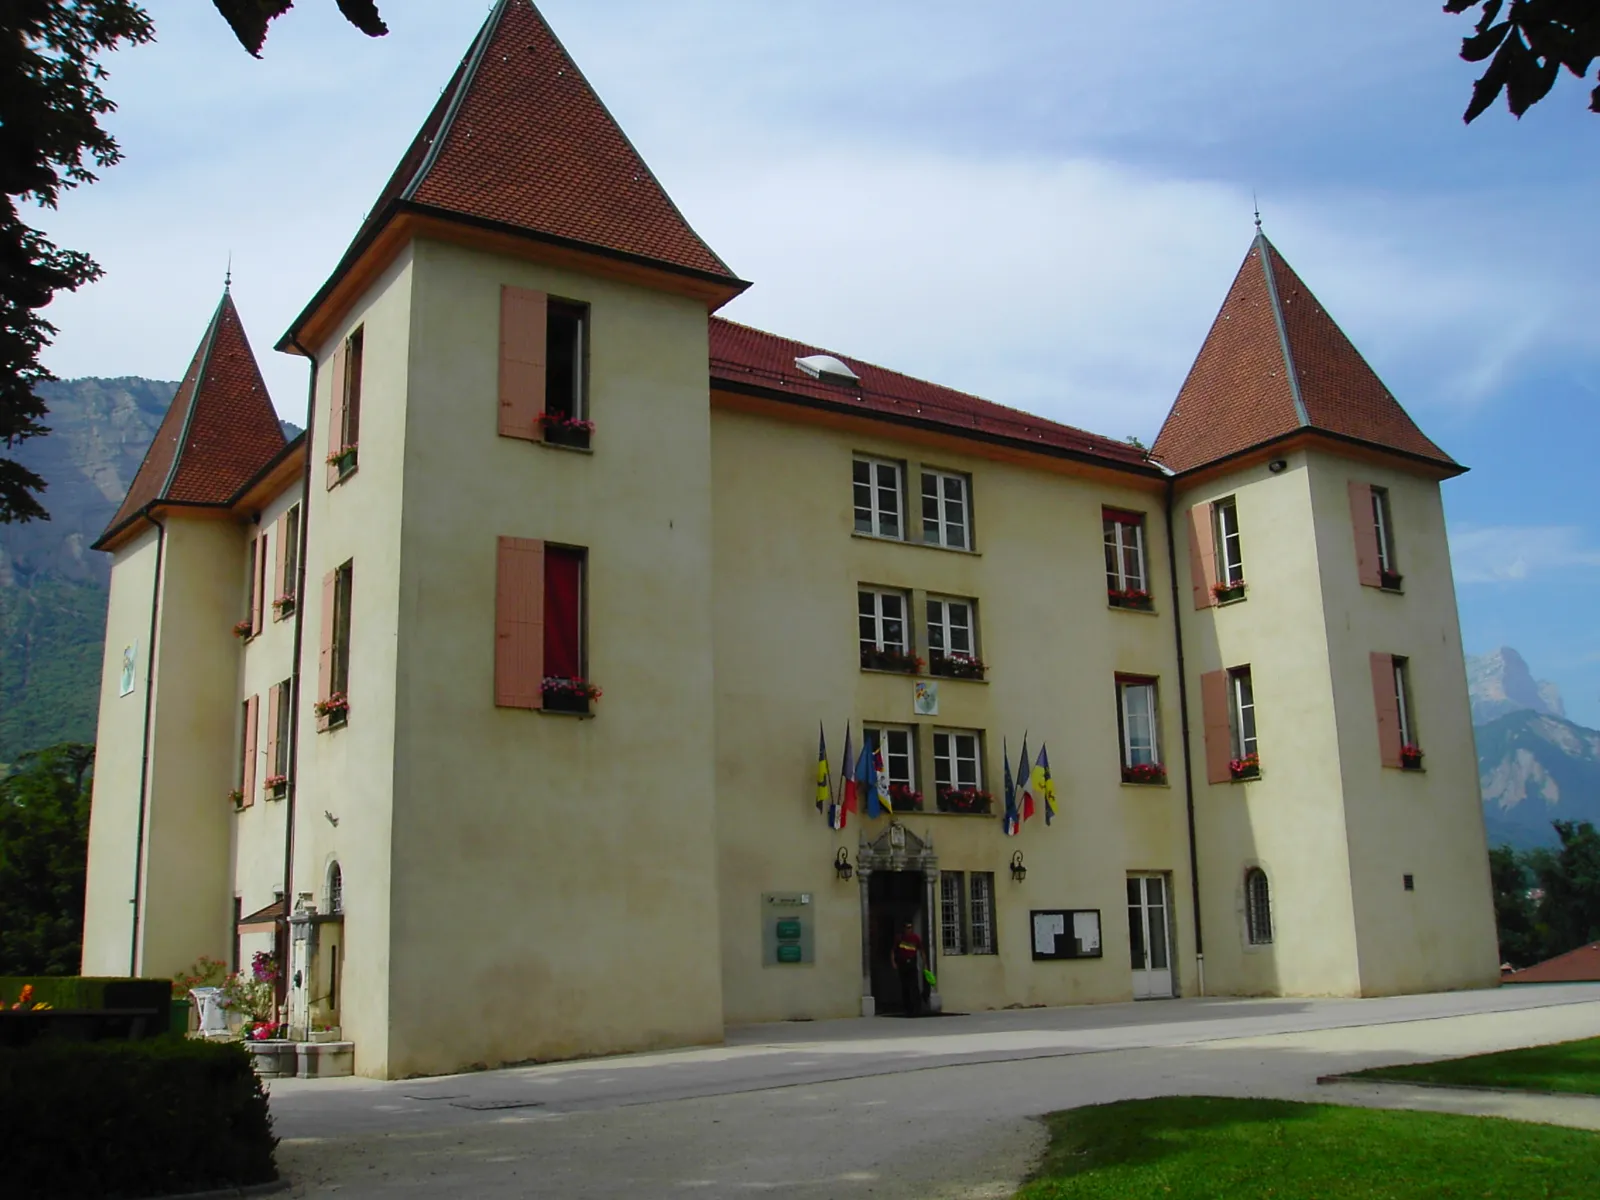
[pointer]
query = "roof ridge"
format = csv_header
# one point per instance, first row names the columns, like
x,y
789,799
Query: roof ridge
x,y
194,399
1266,248
463,81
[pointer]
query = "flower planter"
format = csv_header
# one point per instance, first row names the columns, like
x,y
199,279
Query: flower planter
x,y
573,435
244,631
274,1058
283,606
957,666
1135,600
1145,773
1410,758
567,702
890,660
1390,581
344,461
1239,773
965,800
1227,593
903,799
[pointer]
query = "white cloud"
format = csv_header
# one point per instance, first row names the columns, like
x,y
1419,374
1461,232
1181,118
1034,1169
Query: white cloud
x,y
1512,553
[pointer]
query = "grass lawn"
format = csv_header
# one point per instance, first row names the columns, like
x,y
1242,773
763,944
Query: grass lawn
x,y
1564,1067
1206,1148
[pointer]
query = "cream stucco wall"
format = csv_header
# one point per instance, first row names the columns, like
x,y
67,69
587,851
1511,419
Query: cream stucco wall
x,y
119,755
554,878
787,569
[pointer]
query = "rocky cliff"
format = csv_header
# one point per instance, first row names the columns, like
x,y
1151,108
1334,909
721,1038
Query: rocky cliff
x,y
1501,683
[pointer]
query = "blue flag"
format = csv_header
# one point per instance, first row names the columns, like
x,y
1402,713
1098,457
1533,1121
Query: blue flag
x,y
1010,822
867,780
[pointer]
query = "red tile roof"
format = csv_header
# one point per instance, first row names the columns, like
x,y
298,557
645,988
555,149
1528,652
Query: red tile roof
x,y
746,359
1275,362
219,431
1575,966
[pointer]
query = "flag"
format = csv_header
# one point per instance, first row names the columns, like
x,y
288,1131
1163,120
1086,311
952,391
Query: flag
x,y
880,774
1044,784
1009,821
1025,782
824,778
867,780
847,785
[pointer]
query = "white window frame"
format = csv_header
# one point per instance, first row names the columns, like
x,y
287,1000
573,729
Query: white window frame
x,y
880,619
285,728
941,623
1402,689
1257,911
951,523
957,766
1128,690
876,514
579,314
1242,706
980,906
1118,578
1230,560
1383,528
890,735
952,913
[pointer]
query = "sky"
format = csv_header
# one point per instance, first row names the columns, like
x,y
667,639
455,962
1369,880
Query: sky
x,y
1040,203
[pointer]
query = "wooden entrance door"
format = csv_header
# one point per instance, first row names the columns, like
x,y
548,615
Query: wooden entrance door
x,y
1149,936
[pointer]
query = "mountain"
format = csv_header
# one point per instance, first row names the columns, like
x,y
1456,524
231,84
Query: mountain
x,y
1500,683
52,586
1534,768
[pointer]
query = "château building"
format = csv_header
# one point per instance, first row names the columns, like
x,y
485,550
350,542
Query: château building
x,y
347,709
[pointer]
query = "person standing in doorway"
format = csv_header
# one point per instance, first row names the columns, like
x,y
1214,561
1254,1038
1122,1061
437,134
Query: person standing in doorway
x,y
908,964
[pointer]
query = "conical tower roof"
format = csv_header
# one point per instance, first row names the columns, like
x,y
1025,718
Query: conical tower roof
x,y
1276,363
219,431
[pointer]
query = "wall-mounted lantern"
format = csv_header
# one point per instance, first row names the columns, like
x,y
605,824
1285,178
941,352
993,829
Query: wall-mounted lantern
x,y
1018,871
841,864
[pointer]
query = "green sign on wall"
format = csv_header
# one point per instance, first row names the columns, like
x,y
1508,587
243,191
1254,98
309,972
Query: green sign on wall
x,y
786,934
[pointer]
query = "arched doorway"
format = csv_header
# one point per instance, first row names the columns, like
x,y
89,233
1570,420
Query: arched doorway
x,y
899,874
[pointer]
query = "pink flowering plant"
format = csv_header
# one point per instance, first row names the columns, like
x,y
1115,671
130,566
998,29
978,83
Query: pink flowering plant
x,y
243,629
1129,598
336,707
579,688
563,423
253,994
1144,773
1411,756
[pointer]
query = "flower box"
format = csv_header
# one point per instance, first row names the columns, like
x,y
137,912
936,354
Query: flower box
x,y
283,605
335,709
1411,757
562,430
344,459
1390,581
236,797
243,630
965,800
1144,773
277,785
1133,598
890,659
957,666
1226,593
904,799
568,695
1248,767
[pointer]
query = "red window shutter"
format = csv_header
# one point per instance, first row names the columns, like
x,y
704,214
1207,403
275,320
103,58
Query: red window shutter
x,y
1202,556
1388,706
274,697
248,786
563,609
1214,702
336,372
1366,534
519,623
522,361
330,586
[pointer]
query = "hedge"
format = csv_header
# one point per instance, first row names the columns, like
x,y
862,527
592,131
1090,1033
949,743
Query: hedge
x,y
119,999
132,1119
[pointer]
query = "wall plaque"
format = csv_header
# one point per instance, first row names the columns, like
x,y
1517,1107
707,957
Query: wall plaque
x,y
1060,933
786,929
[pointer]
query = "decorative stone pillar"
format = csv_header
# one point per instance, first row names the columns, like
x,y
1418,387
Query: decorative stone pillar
x,y
302,966
869,1005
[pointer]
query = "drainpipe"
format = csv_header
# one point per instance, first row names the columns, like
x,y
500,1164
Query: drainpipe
x,y
1188,763
144,762
299,635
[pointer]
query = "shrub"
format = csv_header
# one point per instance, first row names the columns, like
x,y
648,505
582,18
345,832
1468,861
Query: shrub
x,y
111,1119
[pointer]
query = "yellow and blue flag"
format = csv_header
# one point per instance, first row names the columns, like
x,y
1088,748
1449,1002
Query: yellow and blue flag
x,y
824,777
1043,784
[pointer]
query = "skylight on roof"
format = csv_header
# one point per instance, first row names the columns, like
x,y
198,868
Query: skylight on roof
x,y
827,369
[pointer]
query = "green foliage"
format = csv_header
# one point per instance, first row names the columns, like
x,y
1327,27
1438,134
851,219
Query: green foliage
x,y
1563,1067
1514,909
44,841
144,1118
249,18
52,641
1547,902
1204,1148
1536,39
86,991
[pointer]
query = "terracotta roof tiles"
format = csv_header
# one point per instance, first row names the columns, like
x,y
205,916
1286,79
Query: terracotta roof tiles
x,y
1575,966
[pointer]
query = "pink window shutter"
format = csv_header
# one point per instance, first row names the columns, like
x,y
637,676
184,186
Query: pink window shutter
x,y
519,623
1365,533
522,361
1214,704
274,695
330,587
336,380
1202,556
248,786
1388,707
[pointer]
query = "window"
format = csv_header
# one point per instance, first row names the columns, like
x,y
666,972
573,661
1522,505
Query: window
x,y
1242,711
966,912
1125,574
1257,907
945,515
1139,731
899,762
564,371
1383,527
344,579
334,900
288,562
885,642
1402,689
952,644
251,625
278,760
952,913
344,429
877,497
983,940
1230,555
956,762
563,612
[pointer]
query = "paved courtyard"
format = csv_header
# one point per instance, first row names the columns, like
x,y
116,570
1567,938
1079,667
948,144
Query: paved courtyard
x,y
941,1107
